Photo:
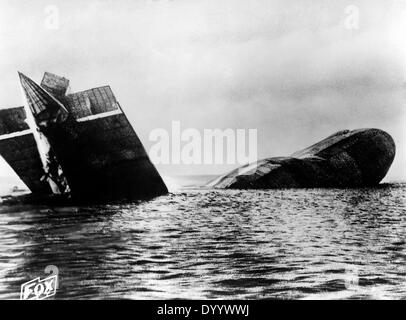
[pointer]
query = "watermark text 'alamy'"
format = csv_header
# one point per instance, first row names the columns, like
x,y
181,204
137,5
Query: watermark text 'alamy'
x,y
214,146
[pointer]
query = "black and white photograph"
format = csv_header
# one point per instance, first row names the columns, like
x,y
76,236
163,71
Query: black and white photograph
x,y
200,150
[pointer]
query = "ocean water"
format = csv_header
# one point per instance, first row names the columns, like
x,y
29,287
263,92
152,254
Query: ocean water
x,y
197,243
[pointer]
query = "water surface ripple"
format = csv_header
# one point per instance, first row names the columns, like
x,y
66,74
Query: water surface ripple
x,y
298,243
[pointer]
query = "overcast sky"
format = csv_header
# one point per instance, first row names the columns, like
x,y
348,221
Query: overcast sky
x,y
296,70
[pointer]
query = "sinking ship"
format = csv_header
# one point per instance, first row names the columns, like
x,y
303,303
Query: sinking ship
x,y
77,145
348,158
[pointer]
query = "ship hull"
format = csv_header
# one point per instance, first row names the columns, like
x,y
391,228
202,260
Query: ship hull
x,y
103,158
77,146
346,159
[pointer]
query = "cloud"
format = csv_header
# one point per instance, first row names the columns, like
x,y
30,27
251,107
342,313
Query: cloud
x,y
291,70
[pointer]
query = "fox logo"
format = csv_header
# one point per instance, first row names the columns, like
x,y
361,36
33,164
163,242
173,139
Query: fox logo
x,y
38,289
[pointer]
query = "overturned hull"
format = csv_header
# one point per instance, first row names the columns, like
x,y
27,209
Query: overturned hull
x,y
80,145
345,159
